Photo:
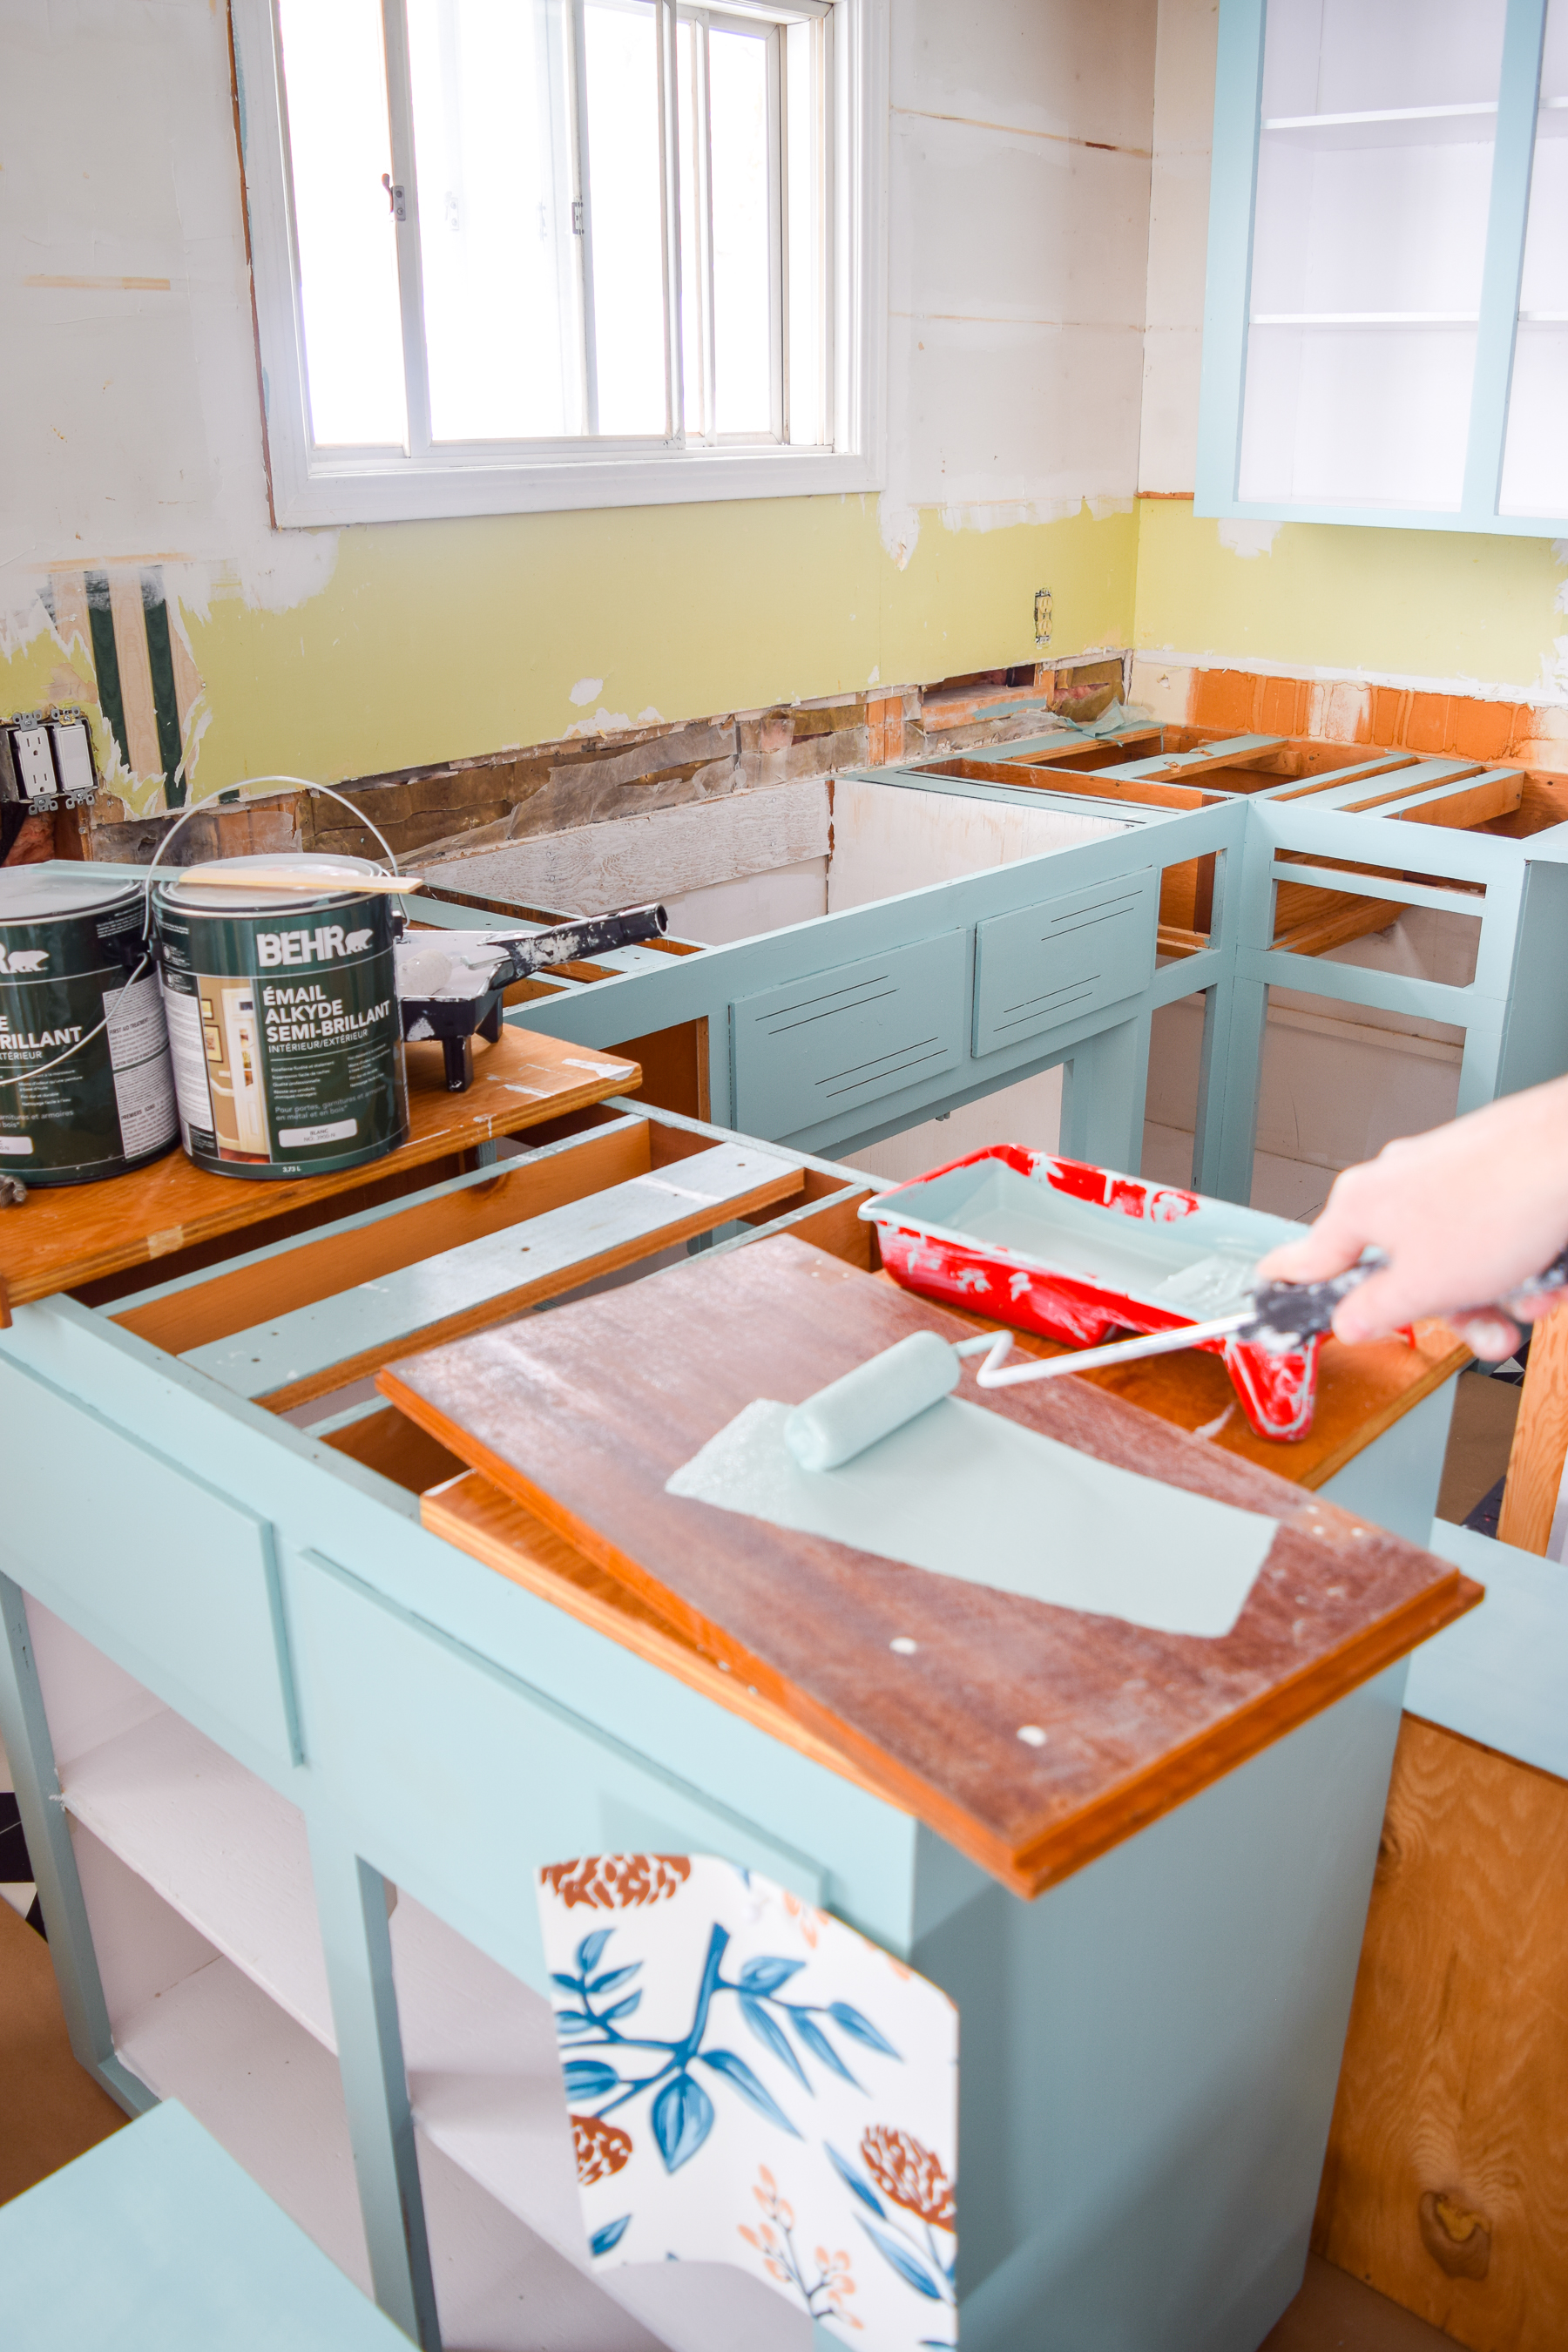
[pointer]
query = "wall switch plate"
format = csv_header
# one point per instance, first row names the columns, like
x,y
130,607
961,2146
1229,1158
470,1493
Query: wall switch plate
x,y
73,758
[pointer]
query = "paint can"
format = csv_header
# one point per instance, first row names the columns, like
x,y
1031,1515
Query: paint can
x,y
69,942
283,1021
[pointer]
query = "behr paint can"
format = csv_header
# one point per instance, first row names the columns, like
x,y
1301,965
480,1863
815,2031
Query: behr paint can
x,y
70,940
283,1021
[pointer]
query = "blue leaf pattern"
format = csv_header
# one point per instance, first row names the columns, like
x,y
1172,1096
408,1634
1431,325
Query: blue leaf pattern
x,y
851,2180
735,2070
817,2042
682,2118
914,2273
765,1973
604,2240
772,2035
589,2078
860,2027
612,1982
646,2101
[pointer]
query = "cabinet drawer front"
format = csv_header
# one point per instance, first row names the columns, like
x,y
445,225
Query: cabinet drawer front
x,y
461,1781
806,1053
174,1581
1046,964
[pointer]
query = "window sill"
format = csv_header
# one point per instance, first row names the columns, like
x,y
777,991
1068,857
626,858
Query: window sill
x,y
367,489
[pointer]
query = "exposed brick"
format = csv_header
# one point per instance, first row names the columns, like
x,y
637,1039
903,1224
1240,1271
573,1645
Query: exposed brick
x,y
1282,707
1390,716
1482,730
1426,723
1225,699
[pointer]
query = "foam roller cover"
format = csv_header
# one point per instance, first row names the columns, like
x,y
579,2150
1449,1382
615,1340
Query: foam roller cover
x,y
842,1419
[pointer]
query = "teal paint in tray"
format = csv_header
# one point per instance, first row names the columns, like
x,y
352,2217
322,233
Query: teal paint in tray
x,y
283,1023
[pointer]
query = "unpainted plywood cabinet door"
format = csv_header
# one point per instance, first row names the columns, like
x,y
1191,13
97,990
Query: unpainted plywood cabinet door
x,y
809,1052
1047,963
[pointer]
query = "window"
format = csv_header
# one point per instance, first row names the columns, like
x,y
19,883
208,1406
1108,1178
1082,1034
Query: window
x,y
514,254
1385,337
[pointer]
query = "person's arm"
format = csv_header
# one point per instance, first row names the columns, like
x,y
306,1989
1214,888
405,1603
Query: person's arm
x,y
1464,1214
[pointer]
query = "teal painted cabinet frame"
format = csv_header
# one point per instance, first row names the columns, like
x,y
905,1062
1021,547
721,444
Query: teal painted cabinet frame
x,y
1513,1011
1149,2050
1227,306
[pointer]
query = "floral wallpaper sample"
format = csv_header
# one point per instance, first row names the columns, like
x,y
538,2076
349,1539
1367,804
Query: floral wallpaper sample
x,y
751,2082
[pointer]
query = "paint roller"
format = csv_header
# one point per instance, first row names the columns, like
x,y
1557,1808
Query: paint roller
x,y
881,1395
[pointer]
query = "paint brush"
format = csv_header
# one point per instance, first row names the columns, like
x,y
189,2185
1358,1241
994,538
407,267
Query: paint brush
x,y
844,1419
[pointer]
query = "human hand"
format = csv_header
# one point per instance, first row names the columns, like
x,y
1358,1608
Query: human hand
x,y
1464,1214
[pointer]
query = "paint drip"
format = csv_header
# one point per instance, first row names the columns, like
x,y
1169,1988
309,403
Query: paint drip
x,y
87,1106
283,1021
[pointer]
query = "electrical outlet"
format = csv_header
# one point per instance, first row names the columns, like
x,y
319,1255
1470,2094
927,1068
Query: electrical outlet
x,y
35,766
1042,617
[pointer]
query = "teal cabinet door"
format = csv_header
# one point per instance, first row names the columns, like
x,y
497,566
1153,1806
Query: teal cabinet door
x,y
1048,963
459,1782
173,1580
806,1053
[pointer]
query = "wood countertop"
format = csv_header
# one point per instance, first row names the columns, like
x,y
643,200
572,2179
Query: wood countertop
x,y
574,1422
64,1235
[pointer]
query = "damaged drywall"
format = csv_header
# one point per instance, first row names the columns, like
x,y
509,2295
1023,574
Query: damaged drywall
x,y
1018,201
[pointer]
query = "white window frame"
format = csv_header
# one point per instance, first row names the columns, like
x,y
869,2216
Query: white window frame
x,y
313,486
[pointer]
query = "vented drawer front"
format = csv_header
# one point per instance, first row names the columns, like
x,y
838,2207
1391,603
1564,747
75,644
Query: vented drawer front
x,y
1047,965
806,1053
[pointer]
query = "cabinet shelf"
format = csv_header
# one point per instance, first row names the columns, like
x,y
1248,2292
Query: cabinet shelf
x,y
231,1856
1364,318
1432,398
269,2094
1372,114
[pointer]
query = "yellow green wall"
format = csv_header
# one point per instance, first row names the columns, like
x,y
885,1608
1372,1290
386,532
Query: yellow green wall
x,y
1460,611
436,641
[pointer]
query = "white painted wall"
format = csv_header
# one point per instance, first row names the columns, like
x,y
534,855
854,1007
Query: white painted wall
x,y
131,421
1020,138
1178,245
751,904
887,841
1018,177
1029,1113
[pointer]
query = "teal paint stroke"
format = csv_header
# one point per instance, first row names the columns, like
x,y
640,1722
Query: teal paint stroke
x,y
106,661
962,1492
165,701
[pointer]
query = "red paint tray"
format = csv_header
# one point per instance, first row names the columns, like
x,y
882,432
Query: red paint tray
x,y
1079,1254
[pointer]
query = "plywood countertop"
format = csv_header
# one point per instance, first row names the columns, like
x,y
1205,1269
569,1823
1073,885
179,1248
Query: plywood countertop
x,y
580,1416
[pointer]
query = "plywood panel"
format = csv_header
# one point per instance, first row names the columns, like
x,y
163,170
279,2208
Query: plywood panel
x,y
1447,2181
1539,1440
582,1414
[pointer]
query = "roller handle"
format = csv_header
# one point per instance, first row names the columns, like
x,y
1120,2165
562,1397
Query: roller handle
x,y
1287,1313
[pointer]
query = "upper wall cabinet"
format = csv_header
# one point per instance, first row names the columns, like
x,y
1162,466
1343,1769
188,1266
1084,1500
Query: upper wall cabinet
x,y
1385,334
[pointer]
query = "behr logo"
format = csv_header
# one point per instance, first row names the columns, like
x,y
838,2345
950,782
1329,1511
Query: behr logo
x,y
20,960
319,946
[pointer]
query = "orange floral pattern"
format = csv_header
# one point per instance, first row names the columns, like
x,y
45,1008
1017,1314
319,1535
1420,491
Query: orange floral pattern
x,y
909,2175
827,2296
617,1881
601,2149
